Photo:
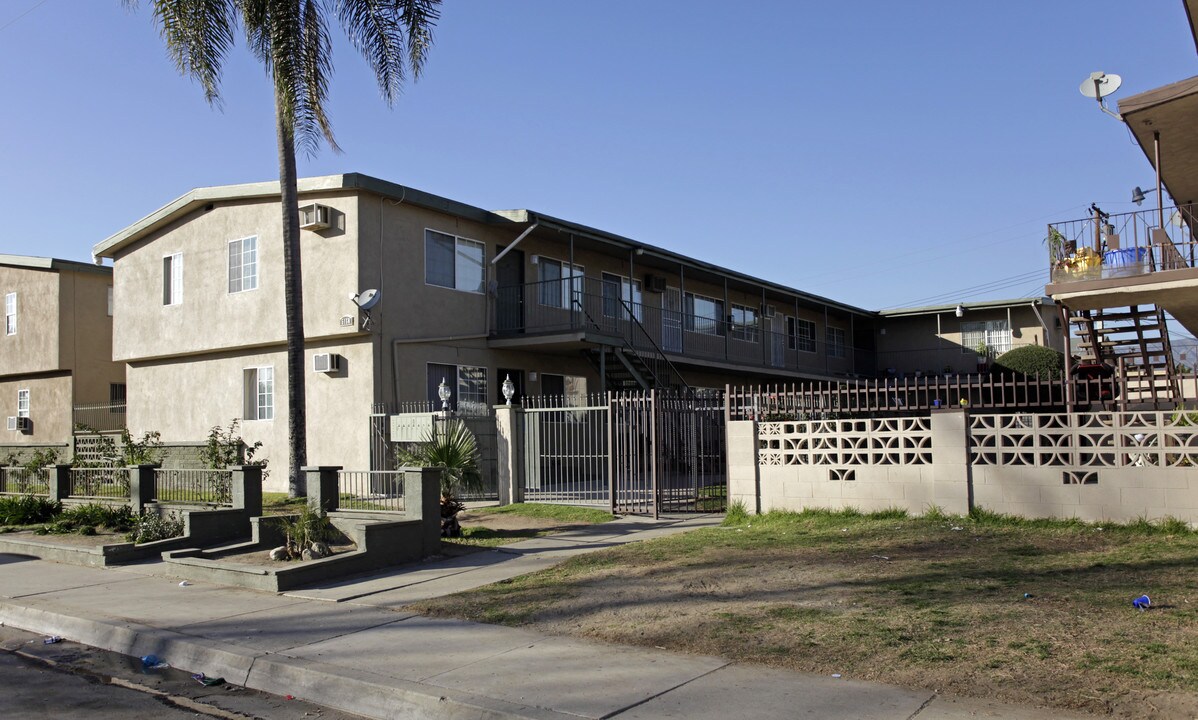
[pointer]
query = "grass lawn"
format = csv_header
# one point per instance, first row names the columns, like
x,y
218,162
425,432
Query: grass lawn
x,y
1022,611
493,526
274,503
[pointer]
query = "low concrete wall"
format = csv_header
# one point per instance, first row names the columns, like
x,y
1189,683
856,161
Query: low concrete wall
x,y
1094,467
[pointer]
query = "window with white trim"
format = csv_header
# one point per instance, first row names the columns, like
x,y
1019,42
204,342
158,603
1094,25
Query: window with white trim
x,y
23,403
467,385
834,337
109,301
558,280
259,393
800,334
453,262
744,323
995,333
243,264
10,314
172,279
703,314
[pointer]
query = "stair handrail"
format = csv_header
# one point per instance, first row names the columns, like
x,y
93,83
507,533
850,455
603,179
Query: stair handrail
x,y
659,356
575,301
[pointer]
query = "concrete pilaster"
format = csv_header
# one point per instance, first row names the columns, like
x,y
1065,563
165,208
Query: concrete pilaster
x,y
422,499
952,474
247,488
744,474
322,487
60,482
508,426
141,487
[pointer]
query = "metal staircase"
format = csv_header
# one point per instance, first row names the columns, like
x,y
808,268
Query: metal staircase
x,y
1135,342
638,363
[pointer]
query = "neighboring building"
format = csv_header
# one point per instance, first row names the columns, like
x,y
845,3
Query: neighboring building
x,y
55,350
1148,256
947,338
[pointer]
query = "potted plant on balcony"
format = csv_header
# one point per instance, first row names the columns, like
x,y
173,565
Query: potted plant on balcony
x,y
983,350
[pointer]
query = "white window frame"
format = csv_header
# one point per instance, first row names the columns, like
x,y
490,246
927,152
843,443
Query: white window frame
x,y
458,242
478,400
995,333
23,403
172,283
258,393
244,282
742,330
10,314
570,281
796,341
836,342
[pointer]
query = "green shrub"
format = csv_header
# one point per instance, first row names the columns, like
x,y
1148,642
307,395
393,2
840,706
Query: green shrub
x,y
149,527
27,509
305,528
1030,360
737,514
118,519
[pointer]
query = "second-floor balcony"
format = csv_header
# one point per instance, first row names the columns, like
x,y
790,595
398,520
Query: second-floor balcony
x,y
1124,245
679,325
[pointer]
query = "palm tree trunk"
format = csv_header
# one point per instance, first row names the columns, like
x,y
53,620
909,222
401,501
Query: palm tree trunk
x,y
297,436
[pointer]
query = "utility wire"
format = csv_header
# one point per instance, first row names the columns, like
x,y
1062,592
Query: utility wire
x,y
14,20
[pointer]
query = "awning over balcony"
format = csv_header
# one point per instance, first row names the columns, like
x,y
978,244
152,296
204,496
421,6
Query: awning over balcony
x,y
1171,111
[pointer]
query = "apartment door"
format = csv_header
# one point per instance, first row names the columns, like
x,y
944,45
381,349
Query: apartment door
x,y
671,321
509,300
775,336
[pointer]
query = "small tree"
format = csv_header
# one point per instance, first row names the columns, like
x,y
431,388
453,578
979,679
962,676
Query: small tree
x,y
453,449
226,447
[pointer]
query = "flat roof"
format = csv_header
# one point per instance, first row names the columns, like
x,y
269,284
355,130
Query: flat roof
x,y
33,262
967,306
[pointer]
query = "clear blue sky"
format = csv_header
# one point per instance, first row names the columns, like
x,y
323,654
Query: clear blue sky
x,y
878,153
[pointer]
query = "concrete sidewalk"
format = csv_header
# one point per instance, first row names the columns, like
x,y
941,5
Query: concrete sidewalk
x,y
352,646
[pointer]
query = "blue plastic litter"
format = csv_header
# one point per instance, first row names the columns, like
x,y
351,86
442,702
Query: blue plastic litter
x,y
1142,603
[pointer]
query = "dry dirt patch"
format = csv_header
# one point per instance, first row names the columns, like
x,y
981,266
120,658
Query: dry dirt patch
x,y
912,602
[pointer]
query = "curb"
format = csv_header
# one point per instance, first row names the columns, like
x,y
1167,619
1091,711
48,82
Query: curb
x,y
358,692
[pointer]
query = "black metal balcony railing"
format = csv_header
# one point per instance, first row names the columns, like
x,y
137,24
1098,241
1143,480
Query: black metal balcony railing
x,y
1086,249
597,306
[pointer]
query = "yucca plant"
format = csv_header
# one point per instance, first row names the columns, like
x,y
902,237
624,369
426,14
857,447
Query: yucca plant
x,y
451,447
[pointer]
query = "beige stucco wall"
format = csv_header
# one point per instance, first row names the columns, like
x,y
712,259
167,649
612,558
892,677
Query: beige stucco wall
x,y
86,336
185,397
35,346
209,317
914,343
49,408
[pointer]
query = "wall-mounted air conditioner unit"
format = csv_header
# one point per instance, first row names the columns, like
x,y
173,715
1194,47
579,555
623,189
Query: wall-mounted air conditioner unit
x,y
655,283
12,423
315,217
326,363
23,424
770,311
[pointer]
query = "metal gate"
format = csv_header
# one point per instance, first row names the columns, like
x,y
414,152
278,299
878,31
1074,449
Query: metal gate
x,y
635,453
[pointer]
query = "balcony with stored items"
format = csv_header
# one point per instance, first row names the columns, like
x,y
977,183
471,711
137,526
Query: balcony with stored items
x,y
1141,258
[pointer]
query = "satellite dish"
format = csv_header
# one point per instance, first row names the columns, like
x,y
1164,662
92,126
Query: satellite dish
x,y
366,299
1099,85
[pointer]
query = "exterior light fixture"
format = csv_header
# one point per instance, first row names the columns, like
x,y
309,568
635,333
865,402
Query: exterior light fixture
x,y
444,393
960,312
509,389
1137,195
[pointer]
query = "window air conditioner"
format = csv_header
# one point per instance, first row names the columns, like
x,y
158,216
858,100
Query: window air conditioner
x,y
770,311
326,363
315,217
655,283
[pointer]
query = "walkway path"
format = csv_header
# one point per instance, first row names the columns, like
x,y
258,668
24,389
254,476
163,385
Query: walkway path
x,y
352,646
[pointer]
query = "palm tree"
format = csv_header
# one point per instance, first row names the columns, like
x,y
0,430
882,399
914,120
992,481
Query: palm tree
x,y
290,37
451,447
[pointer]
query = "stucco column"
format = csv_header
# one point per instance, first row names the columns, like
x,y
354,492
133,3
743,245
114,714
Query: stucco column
x,y
508,424
141,487
322,487
952,474
60,482
422,500
247,488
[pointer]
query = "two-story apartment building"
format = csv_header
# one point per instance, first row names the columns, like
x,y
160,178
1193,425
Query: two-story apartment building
x,y
404,291
55,349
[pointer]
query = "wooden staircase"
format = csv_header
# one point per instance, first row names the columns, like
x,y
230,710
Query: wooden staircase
x,y
1135,342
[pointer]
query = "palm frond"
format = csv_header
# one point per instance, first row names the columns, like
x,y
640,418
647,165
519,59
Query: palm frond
x,y
453,448
376,28
198,35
